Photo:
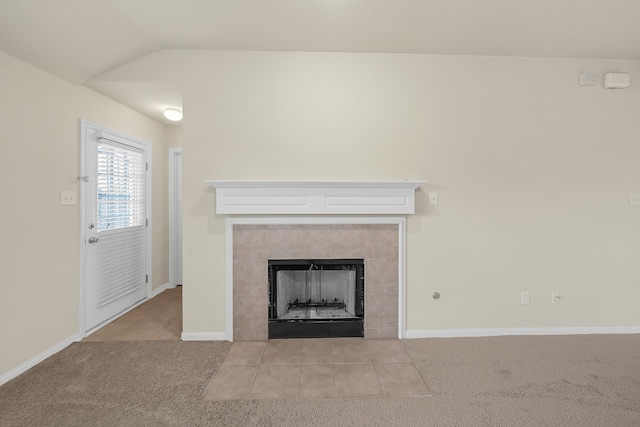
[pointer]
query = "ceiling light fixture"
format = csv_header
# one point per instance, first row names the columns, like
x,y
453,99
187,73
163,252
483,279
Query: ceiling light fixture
x,y
173,114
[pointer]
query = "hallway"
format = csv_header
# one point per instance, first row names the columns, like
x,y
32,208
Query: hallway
x,y
157,319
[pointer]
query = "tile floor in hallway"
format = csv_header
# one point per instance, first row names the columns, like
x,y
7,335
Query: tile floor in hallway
x,y
316,368
160,318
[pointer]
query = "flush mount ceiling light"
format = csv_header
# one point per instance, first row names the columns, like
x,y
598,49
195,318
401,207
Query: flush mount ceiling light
x,y
173,114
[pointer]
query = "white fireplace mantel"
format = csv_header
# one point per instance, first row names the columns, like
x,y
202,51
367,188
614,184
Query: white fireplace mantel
x,y
315,197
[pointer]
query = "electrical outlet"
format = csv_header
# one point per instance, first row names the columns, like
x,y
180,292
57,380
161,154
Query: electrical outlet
x,y
68,198
524,298
433,198
634,199
555,297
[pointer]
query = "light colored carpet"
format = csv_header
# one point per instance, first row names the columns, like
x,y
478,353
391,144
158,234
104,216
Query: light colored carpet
x,y
504,381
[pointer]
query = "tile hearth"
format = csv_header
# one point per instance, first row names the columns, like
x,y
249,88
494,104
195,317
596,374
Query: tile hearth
x,y
336,367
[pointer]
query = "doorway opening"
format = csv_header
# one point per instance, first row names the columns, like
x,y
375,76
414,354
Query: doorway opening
x,y
175,217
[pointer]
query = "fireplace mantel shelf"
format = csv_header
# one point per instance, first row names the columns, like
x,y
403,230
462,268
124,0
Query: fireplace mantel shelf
x,y
315,197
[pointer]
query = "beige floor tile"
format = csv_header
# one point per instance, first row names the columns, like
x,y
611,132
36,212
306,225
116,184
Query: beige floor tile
x,y
251,335
142,331
134,316
276,382
316,381
126,332
110,332
349,350
301,379
356,380
169,294
401,379
316,350
147,321
164,304
142,314
283,352
231,382
245,353
163,298
387,351
171,331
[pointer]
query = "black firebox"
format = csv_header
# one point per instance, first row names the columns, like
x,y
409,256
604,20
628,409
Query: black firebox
x,y
316,298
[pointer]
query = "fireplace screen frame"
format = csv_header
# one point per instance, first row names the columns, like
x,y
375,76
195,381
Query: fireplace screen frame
x,y
351,325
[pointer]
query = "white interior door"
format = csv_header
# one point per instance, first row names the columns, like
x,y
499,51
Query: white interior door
x,y
116,225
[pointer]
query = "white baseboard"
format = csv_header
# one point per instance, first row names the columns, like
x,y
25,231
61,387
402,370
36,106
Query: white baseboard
x,y
8,376
496,332
159,290
204,336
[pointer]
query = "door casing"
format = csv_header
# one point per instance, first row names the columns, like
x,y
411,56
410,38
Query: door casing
x,y
175,194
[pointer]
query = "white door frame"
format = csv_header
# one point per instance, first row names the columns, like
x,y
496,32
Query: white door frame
x,y
84,125
174,193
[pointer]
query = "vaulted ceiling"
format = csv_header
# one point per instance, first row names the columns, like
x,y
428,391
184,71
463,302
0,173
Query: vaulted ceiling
x,y
77,40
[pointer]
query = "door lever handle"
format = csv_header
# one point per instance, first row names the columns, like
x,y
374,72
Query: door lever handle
x,y
93,239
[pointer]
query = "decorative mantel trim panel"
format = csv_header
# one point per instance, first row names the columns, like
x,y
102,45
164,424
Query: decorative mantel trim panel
x,y
315,197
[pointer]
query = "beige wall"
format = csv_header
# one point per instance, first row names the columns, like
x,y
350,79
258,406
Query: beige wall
x,y
533,173
174,136
39,239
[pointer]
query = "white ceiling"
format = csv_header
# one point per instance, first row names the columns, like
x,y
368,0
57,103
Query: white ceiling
x,y
78,40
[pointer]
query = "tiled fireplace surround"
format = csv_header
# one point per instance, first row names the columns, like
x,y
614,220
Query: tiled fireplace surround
x,y
254,245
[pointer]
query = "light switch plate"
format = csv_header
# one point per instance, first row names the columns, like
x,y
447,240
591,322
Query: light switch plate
x,y
68,198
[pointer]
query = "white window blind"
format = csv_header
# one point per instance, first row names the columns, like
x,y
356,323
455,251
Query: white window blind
x,y
122,263
121,180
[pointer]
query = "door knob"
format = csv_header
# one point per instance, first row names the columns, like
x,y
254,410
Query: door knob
x,y
93,239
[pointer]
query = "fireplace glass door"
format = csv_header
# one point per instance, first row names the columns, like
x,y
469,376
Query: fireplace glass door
x,y
316,298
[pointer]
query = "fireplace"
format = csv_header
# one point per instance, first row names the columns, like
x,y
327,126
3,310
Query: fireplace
x,y
316,220
316,298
